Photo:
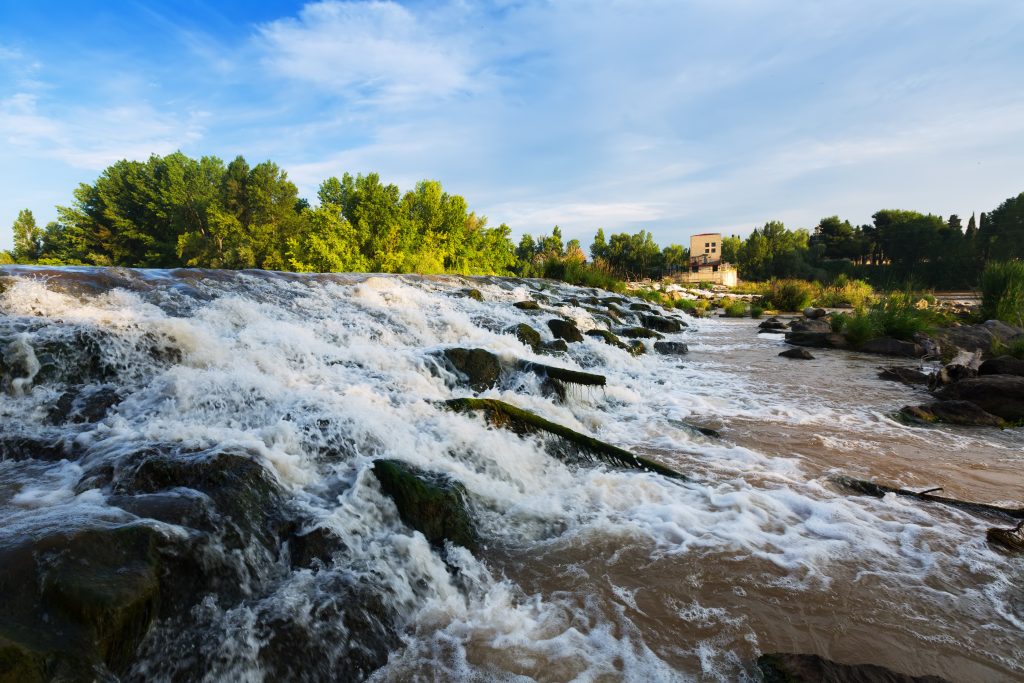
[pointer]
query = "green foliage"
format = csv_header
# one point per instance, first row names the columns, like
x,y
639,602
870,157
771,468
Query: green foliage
x,y
735,309
894,316
845,292
685,304
6,258
790,295
857,328
756,311
1002,292
28,237
582,274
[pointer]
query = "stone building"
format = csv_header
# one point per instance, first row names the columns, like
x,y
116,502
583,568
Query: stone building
x,y
706,264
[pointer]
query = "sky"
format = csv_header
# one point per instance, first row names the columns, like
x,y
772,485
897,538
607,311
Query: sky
x,y
676,117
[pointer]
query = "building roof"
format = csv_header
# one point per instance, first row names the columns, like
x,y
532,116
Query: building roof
x,y
705,234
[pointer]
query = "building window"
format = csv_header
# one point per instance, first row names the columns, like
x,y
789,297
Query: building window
x,y
712,250
707,244
714,269
714,244
707,251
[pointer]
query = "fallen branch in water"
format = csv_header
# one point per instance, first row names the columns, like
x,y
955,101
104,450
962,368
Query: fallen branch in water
x,y
505,415
879,490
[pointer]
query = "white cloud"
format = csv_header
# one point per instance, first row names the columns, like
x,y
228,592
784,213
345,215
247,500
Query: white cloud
x,y
377,50
93,137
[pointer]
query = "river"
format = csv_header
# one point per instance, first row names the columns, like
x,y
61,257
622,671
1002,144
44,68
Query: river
x,y
585,573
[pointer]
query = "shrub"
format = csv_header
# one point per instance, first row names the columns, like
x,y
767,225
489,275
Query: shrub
x,y
838,321
790,295
582,274
897,316
735,309
700,307
858,328
755,311
1002,292
684,304
845,292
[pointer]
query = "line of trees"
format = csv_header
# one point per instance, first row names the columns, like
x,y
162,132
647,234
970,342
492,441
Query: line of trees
x,y
177,211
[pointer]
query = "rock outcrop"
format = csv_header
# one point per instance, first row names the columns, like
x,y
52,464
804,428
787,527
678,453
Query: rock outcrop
x,y
1001,395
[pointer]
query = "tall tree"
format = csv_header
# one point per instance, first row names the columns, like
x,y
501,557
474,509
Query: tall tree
x,y
28,237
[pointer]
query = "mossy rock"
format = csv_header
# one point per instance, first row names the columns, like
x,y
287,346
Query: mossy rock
x,y
640,333
570,444
527,305
670,348
527,335
662,324
640,307
565,330
472,293
480,367
432,503
555,347
608,337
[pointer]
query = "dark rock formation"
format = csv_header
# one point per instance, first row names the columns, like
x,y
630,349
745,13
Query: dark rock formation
x,y
798,668
608,337
810,325
640,333
898,373
817,340
1003,365
431,503
662,324
563,374
640,307
1010,539
83,407
772,325
471,293
553,347
978,338
1001,395
954,373
481,368
814,313
571,444
887,346
801,354
527,305
671,348
870,488
565,330
314,548
952,412
527,335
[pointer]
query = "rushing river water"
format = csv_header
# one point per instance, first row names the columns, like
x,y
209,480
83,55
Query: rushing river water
x,y
585,572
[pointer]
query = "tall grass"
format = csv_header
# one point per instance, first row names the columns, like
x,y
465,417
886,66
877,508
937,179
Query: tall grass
x,y
790,295
845,292
1002,292
583,274
894,316
735,309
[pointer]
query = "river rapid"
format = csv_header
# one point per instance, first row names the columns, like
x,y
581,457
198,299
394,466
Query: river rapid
x,y
585,572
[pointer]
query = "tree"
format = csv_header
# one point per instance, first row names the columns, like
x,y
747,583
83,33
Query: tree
x,y
28,238
731,248
599,247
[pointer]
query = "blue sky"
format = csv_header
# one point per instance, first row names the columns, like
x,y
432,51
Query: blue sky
x,y
677,117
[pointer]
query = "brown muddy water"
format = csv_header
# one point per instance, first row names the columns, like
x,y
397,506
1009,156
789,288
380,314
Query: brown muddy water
x,y
585,573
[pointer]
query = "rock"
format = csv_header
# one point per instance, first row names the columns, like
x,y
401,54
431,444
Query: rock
x,y
662,324
819,340
432,503
797,668
887,346
480,367
772,326
527,335
565,329
953,412
608,337
932,348
640,333
977,338
814,313
669,348
527,305
1003,332
640,307
905,375
1003,365
1011,539
563,374
810,325
552,347
801,353
85,407
637,348
1001,395
314,548
56,447
77,603
474,294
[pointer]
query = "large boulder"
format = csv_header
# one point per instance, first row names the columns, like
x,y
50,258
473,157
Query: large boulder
x,y
977,338
432,503
953,412
565,330
801,668
814,313
610,338
480,367
906,375
527,305
527,335
820,340
887,346
640,333
662,324
810,325
1001,395
1003,365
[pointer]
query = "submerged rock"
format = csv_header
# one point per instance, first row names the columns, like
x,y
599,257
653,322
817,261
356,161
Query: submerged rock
x,y
819,340
480,367
798,668
563,374
83,407
573,443
432,503
527,305
565,329
1010,539
897,373
553,347
671,348
953,412
610,338
640,333
471,293
662,324
800,354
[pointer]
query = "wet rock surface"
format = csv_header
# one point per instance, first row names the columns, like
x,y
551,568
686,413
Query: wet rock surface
x,y
799,354
565,330
671,348
800,668
1001,395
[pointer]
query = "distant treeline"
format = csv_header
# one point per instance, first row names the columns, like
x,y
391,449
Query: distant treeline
x,y
176,211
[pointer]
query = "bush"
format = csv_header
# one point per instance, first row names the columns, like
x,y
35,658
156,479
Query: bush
x,y
790,295
755,311
858,328
845,292
684,304
582,274
735,309
1002,292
